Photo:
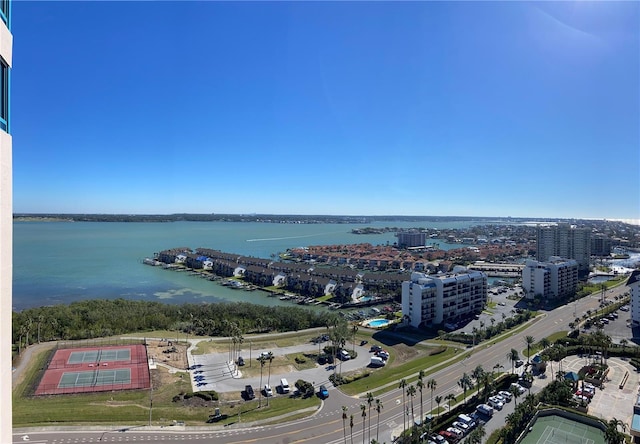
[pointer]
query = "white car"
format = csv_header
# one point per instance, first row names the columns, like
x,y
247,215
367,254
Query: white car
x,y
506,395
495,403
267,390
500,398
457,432
520,388
461,426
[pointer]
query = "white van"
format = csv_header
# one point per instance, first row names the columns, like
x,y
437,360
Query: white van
x,y
285,385
376,361
485,409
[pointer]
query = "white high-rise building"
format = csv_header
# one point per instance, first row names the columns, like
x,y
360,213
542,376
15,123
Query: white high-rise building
x,y
564,240
6,221
556,278
634,290
437,299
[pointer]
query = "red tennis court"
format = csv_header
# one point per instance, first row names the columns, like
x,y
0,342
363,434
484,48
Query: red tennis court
x,y
96,369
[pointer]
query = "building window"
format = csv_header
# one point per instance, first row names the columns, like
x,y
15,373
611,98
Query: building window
x,y
4,95
4,12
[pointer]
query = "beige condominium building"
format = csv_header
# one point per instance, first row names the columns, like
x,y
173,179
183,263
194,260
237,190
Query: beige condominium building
x,y
443,298
567,241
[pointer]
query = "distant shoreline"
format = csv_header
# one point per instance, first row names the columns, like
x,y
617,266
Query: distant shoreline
x,y
270,218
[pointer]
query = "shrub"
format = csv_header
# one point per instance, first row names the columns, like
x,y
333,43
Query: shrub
x,y
207,395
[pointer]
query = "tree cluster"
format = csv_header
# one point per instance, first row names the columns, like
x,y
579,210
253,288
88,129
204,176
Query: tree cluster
x,y
101,318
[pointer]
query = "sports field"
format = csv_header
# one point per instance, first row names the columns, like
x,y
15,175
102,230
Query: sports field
x,y
94,369
555,429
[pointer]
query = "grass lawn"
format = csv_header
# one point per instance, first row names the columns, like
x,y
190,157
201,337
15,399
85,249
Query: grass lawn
x,y
257,344
391,373
536,348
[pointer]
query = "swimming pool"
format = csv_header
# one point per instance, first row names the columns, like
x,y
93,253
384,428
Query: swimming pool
x,y
378,323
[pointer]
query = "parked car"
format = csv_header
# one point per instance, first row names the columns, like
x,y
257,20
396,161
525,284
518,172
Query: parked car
x,y
585,394
364,342
500,398
468,420
375,348
267,390
249,393
461,426
520,388
240,361
323,392
450,437
457,432
439,439
495,403
519,363
485,409
506,395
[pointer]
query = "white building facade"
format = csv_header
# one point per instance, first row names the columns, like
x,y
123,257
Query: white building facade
x,y
553,279
634,291
6,219
435,299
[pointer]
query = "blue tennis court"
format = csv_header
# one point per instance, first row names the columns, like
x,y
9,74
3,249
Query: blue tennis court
x,y
104,355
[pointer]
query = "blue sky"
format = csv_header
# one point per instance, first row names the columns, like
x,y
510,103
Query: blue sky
x,y
418,108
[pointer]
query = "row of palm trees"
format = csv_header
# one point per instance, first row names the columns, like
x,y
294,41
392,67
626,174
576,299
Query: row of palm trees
x,y
263,359
371,402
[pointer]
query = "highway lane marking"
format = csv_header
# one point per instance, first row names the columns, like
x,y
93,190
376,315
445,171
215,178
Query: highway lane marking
x,y
325,424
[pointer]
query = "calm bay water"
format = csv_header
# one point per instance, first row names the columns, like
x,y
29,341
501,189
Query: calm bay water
x,y
62,262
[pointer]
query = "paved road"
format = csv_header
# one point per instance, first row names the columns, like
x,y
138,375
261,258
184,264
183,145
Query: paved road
x,y
326,427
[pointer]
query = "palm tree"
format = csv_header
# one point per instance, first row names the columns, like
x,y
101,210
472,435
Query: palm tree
x,y
450,397
411,392
529,341
364,417
477,374
611,434
476,436
420,384
378,408
344,422
401,386
354,330
351,425
262,360
516,394
465,383
370,403
623,343
438,401
342,342
513,356
269,358
431,385
545,343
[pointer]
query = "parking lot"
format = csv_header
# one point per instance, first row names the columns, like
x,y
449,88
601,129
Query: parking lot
x,y
212,371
